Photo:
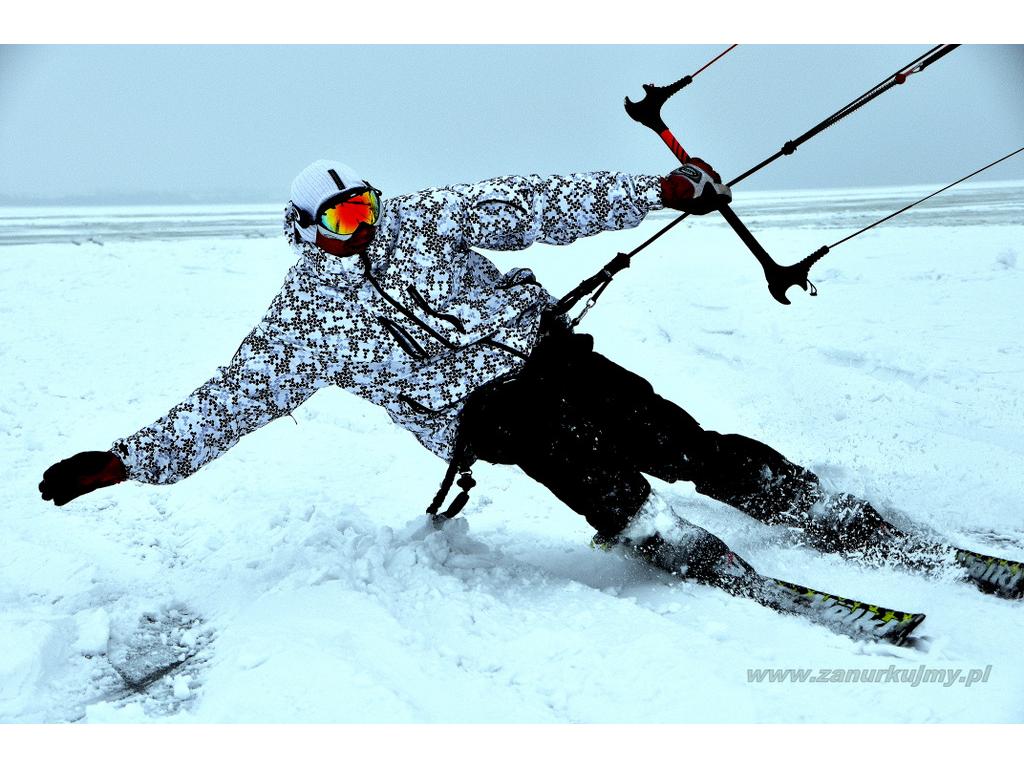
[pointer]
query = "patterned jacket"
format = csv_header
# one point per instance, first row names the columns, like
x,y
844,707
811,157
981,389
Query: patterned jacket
x,y
414,325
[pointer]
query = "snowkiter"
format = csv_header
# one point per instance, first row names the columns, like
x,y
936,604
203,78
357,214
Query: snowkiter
x,y
390,300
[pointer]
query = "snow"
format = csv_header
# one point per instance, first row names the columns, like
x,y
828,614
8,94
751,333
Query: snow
x,y
181,688
306,551
93,631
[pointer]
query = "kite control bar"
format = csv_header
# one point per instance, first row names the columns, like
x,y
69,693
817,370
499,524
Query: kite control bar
x,y
780,279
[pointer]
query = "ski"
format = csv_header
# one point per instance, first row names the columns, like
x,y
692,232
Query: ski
x,y
731,573
854,618
992,574
998,576
846,616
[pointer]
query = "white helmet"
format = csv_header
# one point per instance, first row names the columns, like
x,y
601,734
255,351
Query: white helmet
x,y
320,181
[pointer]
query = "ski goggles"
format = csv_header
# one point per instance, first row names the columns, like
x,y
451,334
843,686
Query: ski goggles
x,y
341,216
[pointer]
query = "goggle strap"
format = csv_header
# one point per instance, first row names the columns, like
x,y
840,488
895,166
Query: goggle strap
x,y
305,218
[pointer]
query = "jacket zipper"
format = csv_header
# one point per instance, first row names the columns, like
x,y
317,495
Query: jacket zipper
x,y
421,302
419,407
397,305
492,343
509,203
400,335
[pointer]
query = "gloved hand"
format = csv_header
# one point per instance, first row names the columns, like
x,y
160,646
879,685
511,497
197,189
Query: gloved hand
x,y
82,473
694,188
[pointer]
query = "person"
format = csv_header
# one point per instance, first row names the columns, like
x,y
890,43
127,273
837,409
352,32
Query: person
x,y
390,300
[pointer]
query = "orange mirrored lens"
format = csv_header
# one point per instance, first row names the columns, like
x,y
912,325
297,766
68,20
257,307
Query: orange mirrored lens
x,y
343,218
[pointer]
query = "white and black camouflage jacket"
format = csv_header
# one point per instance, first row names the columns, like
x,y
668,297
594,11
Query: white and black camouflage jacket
x,y
414,325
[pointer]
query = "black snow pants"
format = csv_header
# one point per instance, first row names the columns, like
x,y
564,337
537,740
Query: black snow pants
x,y
588,430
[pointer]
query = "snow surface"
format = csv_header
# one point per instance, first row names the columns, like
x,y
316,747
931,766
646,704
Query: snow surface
x,y
305,548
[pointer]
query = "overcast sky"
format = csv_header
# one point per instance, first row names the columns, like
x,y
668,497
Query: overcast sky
x,y
236,123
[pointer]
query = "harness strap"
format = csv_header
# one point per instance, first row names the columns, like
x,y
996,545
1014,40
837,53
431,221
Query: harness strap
x,y
461,464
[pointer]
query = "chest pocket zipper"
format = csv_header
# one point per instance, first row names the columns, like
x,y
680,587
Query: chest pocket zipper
x,y
408,344
421,302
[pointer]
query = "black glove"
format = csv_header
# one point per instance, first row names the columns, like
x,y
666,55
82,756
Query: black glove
x,y
82,473
695,188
